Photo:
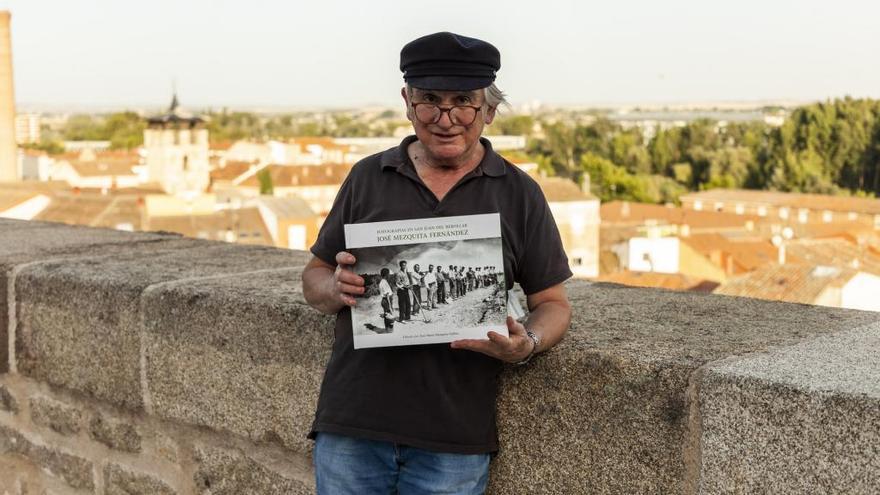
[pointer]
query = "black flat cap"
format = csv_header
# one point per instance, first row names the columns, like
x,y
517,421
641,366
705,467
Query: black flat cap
x,y
449,61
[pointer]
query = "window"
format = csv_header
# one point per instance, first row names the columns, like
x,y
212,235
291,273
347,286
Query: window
x,y
740,209
719,206
783,213
803,213
698,205
762,211
827,216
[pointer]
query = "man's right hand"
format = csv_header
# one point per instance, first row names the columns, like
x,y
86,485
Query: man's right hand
x,y
329,288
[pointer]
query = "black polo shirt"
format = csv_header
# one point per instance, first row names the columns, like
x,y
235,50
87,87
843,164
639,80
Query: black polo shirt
x,y
430,396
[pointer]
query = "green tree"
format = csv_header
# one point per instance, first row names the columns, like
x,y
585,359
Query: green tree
x,y
267,186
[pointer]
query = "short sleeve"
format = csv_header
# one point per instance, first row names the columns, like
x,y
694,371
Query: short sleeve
x,y
542,262
331,238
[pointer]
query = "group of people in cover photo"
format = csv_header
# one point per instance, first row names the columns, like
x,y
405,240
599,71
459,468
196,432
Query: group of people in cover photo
x,y
409,292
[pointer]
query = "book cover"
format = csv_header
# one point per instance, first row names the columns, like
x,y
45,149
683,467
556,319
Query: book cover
x,y
428,281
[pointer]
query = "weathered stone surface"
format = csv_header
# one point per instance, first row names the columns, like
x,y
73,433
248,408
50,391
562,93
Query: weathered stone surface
x,y
7,400
21,476
241,353
166,447
120,481
62,418
76,471
607,411
79,320
116,434
229,472
24,242
804,419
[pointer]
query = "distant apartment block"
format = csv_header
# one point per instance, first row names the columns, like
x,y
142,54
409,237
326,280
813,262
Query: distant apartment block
x,y
576,212
27,128
793,208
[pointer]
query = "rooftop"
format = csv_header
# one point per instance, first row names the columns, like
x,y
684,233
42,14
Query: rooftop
x,y
797,283
791,200
558,189
303,175
629,213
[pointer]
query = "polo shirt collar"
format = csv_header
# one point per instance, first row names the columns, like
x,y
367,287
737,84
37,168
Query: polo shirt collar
x,y
492,164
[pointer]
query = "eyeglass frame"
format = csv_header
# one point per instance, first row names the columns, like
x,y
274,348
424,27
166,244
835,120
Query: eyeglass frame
x,y
447,110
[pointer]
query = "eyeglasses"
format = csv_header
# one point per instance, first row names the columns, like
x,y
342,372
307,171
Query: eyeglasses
x,y
429,113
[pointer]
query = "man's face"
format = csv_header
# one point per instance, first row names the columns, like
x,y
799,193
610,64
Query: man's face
x,y
403,265
445,140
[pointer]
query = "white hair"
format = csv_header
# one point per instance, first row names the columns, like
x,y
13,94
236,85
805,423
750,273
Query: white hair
x,y
492,97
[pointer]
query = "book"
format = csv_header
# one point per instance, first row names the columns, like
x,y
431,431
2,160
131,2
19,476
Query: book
x,y
428,280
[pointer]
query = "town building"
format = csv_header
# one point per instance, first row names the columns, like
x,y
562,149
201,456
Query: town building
x,y
27,128
822,285
317,185
576,212
99,170
787,208
176,145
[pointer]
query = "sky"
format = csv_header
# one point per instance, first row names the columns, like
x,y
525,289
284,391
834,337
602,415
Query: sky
x,y
331,53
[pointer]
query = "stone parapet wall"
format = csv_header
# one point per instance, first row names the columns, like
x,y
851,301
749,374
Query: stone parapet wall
x,y
150,363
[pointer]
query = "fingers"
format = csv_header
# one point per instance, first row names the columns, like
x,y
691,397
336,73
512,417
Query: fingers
x,y
348,277
347,300
496,345
499,339
483,346
344,288
347,282
345,258
515,327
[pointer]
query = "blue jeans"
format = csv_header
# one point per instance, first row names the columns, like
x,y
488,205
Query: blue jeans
x,y
346,465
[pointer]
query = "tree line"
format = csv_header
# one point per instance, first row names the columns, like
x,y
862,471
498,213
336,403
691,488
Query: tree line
x,y
831,147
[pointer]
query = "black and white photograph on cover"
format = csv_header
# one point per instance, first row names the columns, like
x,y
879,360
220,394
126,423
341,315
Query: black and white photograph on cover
x,y
430,289
429,280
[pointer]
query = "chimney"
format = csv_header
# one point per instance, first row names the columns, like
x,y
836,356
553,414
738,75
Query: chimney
x,y
585,183
624,209
8,152
782,253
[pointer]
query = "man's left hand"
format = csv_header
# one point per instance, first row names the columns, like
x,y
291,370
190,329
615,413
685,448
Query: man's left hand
x,y
512,349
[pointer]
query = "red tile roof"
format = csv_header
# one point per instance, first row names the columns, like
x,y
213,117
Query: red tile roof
x,y
791,200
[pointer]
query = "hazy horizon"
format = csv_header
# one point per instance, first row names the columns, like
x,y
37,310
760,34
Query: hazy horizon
x,y
224,53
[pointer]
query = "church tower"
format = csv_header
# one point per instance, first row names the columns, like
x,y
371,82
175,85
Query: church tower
x,y
176,143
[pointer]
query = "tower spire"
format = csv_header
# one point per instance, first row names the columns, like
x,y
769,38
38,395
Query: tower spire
x,y
174,102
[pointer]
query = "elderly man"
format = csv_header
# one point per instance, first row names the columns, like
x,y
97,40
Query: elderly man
x,y
421,419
